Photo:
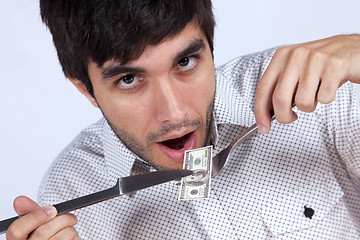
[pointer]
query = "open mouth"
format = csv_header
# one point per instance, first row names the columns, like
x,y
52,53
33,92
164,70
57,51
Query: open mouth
x,y
177,143
175,148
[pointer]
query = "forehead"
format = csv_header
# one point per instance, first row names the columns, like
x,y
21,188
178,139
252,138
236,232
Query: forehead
x,y
169,47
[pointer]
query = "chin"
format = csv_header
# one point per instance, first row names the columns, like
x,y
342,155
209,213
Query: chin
x,y
167,164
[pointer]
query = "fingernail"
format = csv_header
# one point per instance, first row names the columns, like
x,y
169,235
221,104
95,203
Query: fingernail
x,y
75,218
50,211
262,129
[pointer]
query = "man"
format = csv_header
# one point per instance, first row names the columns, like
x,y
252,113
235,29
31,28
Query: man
x,y
147,65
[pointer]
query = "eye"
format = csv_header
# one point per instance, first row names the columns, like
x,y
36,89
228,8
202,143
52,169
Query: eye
x,y
187,63
129,81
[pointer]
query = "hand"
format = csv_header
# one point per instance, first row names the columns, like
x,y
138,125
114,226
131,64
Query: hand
x,y
40,223
306,73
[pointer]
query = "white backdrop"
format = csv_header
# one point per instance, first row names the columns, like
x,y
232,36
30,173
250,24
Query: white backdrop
x,y
41,112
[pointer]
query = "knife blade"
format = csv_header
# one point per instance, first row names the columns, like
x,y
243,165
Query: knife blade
x,y
123,186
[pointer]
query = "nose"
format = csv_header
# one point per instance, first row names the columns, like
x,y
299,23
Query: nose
x,y
171,102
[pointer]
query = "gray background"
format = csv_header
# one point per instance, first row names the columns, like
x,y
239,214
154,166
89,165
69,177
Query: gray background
x,y
41,112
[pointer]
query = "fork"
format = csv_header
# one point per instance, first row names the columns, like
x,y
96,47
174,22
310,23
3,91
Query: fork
x,y
220,160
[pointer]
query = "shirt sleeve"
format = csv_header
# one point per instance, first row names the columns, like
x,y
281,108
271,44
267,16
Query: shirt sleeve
x,y
345,120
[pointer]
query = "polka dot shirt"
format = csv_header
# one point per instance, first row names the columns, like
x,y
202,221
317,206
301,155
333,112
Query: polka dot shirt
x,y
300,181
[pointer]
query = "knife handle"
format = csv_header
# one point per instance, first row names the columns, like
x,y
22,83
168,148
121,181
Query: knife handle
x,y
73,204
4,224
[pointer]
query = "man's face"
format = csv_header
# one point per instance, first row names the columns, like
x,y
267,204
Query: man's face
x,y
160,104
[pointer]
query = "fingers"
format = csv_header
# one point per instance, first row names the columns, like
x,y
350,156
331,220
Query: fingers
x,y
306,94
22,227
59,226
67,233
287,83
40,223
23,205
335,74
305,74
274,92
264,90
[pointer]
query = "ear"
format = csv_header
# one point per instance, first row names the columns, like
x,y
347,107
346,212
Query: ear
x,y
81,87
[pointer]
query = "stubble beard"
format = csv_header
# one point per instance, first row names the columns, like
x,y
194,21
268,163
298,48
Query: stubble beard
x,y
142,151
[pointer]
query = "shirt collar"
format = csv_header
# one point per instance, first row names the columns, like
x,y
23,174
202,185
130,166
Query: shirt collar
x,y
233,105
121,161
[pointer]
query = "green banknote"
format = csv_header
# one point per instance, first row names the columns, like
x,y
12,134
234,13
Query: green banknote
x,y
197,186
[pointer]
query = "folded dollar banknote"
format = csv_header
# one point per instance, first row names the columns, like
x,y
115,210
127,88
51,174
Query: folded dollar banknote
x,y
197,185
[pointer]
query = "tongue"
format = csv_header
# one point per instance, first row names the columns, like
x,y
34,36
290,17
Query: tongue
x,y
177,143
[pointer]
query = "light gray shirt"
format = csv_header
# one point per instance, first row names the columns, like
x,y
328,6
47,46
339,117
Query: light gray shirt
x,y
264,191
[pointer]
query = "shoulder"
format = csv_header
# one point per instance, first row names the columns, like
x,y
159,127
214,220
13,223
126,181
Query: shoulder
x,y
343,116
77,169
255,62
236,83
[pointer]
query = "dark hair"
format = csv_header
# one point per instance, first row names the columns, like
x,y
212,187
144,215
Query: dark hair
x,y
100,30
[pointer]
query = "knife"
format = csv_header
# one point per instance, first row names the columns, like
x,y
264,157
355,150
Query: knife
x,y
123,186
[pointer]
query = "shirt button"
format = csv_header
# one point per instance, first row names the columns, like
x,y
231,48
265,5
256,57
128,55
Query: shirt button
x,y
308,212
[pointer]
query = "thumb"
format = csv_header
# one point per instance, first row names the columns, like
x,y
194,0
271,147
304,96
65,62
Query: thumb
x,y
23,205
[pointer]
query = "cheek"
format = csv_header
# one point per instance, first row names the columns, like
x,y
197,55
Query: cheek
x,y
202,91
126,115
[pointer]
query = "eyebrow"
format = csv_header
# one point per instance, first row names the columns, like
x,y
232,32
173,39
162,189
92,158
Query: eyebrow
x,y
116,68
195,46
